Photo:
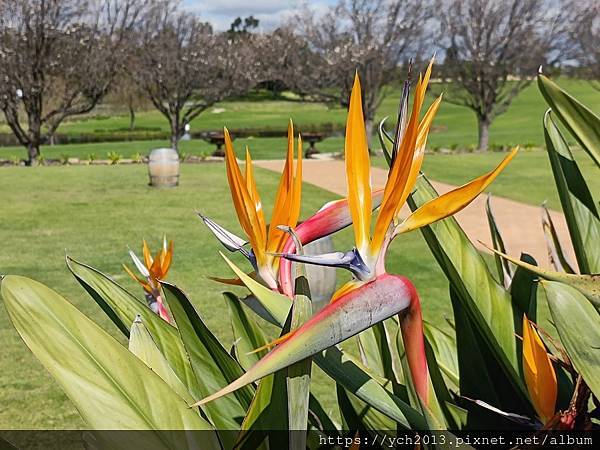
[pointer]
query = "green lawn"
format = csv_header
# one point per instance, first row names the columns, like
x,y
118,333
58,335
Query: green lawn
x,y
453,126
94,213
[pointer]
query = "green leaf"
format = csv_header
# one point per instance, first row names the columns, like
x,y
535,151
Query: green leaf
x,y
502,266
431,411
143,346
375,349
298,375
523,291
588,285
111,388
369,418
122,307
213,365
581,122
268,411
487,305
577,202
275,305
367,386
247,334
558,256
480,376
578,325
443,346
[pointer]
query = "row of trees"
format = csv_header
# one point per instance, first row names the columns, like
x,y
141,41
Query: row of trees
x,y
60,58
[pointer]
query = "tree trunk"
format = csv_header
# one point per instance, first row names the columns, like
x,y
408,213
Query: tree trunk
x,y
174,141
484,133
175,132
131,118
33,153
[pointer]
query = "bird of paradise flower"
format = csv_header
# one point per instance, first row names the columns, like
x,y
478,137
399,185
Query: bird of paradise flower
x,y
373,295
152,271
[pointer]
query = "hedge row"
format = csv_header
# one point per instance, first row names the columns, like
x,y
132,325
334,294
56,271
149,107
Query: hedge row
x,y
8,139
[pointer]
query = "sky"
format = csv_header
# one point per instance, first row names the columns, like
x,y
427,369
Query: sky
x,y
269,12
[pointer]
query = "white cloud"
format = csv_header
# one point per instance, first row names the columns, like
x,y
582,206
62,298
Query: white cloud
x,y
269,12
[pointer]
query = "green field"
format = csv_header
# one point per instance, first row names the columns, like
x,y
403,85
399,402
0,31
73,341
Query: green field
x,y
94,213
454,126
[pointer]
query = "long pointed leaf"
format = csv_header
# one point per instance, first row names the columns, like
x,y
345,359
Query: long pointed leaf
x,y
583,124
556,253
569,307
503,266
298,375
122,307
143,346
213,365
247,334
111,387
487,305
588,285
577,202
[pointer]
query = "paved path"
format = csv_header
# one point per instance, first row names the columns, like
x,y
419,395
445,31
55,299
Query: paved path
x,y
519,223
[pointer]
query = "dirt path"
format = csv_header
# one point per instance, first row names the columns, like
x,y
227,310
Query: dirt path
x,y
519,223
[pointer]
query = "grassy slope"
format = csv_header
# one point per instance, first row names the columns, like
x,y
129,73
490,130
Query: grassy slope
x,y
454,125
95,213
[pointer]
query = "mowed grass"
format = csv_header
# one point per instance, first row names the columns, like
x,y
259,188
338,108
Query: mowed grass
x,y
528,178
454,126
94,213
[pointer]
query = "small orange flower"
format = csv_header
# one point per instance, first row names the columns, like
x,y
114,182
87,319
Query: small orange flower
x,y
152,269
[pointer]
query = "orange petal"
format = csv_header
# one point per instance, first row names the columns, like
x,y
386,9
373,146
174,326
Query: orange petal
x,y
243,203
419,154
297,189
347,287
274,342
251,186
228,281
147,255
156,270
167,259
283,198
453,201
539,373
144,284
358,169
407,164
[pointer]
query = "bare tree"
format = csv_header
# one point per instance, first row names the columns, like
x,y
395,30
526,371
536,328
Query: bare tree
x,y
585,38
368,36
57,59
493,50
125,91
185,67
288,63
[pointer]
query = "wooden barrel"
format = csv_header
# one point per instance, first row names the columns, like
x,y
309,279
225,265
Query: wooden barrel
x,y
322,280
163,167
